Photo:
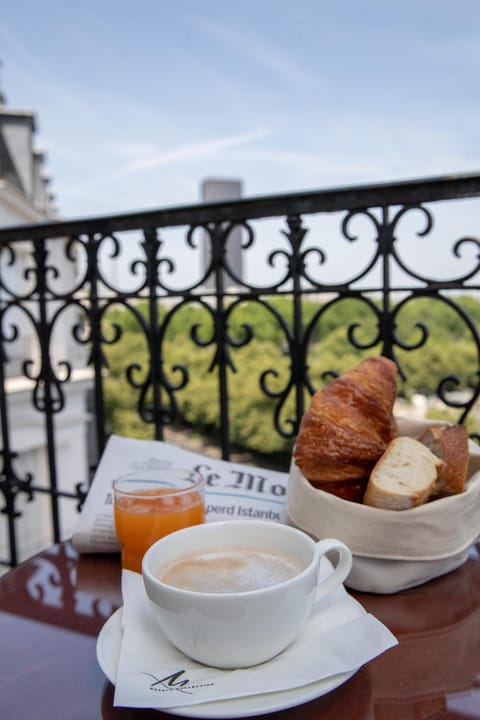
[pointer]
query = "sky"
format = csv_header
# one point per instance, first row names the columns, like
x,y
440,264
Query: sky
x,y
138,101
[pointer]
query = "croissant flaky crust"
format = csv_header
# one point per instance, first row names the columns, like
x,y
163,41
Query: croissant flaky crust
x,y
349,424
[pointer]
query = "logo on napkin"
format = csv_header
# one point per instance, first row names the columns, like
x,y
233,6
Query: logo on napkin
x,y
175,683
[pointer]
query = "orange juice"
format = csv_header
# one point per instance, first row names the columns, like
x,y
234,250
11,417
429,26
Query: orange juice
x,y
144,515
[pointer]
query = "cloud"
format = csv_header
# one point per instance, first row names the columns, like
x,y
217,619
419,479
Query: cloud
x,y
152,158
102,191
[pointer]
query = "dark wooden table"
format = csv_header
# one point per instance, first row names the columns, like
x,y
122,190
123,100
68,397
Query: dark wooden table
x,y
53,607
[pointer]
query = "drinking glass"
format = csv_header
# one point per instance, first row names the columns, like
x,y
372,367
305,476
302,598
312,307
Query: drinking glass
x,y
153,503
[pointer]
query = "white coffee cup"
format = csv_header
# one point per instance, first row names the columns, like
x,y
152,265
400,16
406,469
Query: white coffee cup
x,y
240,629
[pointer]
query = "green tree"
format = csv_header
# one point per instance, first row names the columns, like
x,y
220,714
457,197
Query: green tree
x,y
434,343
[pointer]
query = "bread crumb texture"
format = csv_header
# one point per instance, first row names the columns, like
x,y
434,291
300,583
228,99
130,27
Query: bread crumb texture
x,y
404,477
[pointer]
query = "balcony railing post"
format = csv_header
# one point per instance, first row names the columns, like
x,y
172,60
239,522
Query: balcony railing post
x,y
296,234
44,399
97,358
218,236
152,247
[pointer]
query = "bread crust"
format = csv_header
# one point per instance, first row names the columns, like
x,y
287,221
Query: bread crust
x,y
349,424
352,490
450,444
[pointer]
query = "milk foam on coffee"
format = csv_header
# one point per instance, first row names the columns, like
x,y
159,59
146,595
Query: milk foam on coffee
x,y
229,570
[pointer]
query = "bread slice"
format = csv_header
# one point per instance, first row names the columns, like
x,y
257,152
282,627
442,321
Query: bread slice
x,y
404,477
450,444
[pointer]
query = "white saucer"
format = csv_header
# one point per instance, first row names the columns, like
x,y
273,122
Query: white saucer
x,y
108,653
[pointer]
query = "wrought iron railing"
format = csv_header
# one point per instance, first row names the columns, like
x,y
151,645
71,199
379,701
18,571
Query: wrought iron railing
x,y
376,245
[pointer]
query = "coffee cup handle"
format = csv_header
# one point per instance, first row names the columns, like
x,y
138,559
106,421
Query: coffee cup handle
x,y
341,569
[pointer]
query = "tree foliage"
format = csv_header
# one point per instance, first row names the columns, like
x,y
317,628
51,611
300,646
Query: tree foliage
x,y
434,343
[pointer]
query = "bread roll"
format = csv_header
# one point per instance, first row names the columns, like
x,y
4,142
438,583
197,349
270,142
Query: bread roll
x,y
349,424
404,477
450,444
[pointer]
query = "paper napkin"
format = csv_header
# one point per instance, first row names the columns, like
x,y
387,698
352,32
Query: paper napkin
x,y
338,638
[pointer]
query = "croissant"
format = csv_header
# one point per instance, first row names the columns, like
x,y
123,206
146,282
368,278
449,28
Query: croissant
x,y
348,426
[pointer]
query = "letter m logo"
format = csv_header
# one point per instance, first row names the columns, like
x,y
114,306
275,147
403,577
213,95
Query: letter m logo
x,y
172,681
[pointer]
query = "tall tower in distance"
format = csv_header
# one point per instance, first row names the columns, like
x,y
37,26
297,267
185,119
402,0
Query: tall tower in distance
x,y
219,190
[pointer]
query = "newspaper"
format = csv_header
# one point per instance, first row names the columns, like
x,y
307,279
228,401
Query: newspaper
x,y
233,491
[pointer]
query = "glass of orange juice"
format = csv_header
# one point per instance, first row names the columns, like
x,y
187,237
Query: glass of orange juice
x,y
150,504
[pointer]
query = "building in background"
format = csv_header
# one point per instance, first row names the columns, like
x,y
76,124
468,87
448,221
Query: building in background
x,y
26,198
218,190
25,195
